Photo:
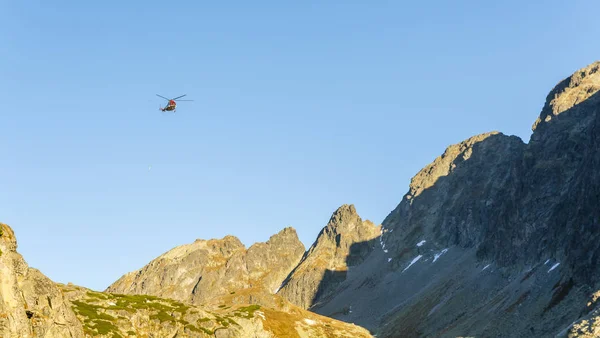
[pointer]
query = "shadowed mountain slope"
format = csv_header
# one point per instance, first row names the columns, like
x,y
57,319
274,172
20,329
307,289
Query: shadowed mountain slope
x,y
494,238
342,243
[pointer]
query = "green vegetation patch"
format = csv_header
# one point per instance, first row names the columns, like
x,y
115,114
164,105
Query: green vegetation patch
x,y
246,311
199,329
98,295
161,308
222,321
105,327
91,311
195,329
132,299
179,307
162,317
231,321
207,331
132,303
96,321
225,321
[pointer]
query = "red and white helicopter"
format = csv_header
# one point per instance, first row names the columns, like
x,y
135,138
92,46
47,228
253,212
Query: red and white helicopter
x,y
171,105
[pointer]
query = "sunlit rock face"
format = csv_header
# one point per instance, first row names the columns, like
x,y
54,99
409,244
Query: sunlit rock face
x,y
31,305
208,269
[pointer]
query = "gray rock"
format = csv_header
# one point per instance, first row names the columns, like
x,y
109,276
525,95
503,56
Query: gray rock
x,y
341,244
494,238
208,269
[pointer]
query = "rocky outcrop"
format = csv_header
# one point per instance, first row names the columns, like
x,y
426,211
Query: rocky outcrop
x,y
342,243
269,263
577,88
494,238
209,269
31,305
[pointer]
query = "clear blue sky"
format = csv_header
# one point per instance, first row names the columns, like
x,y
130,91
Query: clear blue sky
x,y
299,107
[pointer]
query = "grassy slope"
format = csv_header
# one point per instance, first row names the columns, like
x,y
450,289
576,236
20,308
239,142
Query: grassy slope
x,y
120,316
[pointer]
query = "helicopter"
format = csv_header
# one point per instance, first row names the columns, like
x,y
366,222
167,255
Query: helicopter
x,y
171,105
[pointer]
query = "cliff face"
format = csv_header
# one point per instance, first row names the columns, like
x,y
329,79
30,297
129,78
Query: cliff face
x,y
326,263
563,159
494,238
31,305
209,269
462,197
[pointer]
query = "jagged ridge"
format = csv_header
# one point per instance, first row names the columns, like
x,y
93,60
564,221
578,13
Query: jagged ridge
x,y
327,261
209,269
496,237
34,306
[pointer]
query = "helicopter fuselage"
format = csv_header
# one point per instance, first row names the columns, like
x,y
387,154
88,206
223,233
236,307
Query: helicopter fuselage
x,y
171,106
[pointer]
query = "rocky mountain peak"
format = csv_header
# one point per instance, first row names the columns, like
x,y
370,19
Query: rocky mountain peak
x,y
573,90
444,164
345,210
271,261
344,229
344,218
283,237
209,269
228,241
345,241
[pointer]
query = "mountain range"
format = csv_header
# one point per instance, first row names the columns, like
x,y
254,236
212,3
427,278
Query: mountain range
x,y
495,238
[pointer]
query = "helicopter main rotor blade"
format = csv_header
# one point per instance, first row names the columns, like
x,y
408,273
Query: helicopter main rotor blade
x,y
179,97
162,97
